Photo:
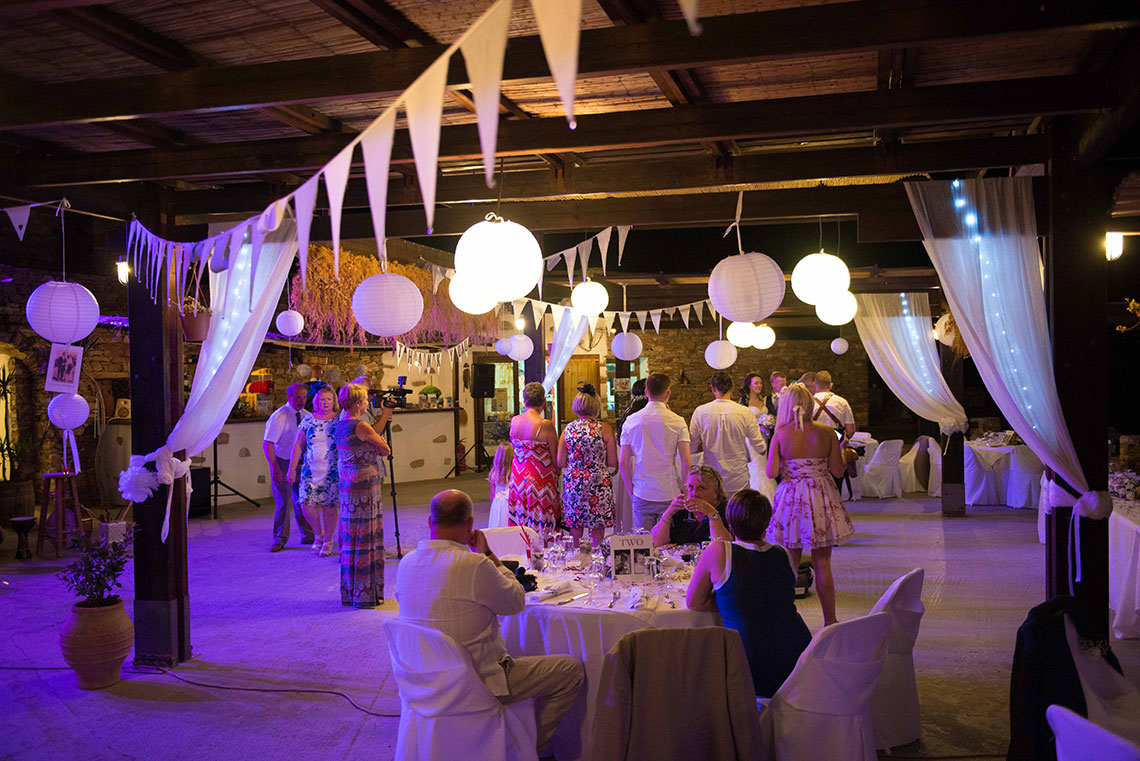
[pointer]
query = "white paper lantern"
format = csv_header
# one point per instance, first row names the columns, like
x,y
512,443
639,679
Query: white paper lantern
x,y
589,298
839,346
521,347
62,313
503,256
626,346
943,331
68,411
387,304
819,276
304,372
764,337
746,288
838,309
720,354
290,322
468,295
331,376
503,346
741,334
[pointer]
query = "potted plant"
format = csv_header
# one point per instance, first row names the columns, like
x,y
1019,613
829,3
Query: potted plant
x,y
97,636
195,319
427,391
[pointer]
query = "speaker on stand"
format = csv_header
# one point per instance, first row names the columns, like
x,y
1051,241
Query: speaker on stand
x,y
482,387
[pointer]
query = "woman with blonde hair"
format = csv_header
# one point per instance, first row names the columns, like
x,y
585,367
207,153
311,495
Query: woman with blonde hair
x,y
808,513
500,479
315,452
533,500
586,453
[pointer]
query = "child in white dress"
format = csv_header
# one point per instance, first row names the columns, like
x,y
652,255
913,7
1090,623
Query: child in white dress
x,y
499,478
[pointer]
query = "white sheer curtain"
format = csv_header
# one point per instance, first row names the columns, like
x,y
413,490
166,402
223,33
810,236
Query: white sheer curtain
x,y
567,334
895,331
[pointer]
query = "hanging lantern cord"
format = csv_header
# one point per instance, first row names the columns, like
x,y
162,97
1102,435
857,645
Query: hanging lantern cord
x,y
64,204
821,233
499,202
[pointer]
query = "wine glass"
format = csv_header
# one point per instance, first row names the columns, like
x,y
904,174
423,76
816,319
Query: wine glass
x,y
590,580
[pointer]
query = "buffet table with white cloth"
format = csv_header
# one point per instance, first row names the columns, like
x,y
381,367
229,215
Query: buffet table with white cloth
x,y
1015,469
587,629
1124,568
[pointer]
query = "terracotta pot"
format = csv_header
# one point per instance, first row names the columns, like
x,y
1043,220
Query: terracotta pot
x,y
195,327
95,642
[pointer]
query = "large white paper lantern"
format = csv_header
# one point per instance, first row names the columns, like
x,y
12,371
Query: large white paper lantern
x,y
589,298
943,331
62,313
468,295
503,346
838,309
816,277
521,347
720,354
68,411
304,372
290,322
747,287
626,346
741,334
387,304
764,337
839,346
504,256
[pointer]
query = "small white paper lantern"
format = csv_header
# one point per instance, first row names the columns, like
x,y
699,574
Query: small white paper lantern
x,y
503,256
942,330
764,337
818,276
68,411
331,376
741,334
720,354
838,309
839,346
290,322
304,372
746,288
589,298
626,346
387,304
62,313
503,346
467,294
521,347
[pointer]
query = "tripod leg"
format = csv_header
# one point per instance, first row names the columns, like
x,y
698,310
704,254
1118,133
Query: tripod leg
x,y
392,484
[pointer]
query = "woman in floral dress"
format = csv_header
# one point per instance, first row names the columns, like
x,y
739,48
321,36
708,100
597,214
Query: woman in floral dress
x,y
316,453
586,453
808,512
533,497
359,448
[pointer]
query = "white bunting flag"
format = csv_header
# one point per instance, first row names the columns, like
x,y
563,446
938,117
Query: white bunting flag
x,y
219,257
517,307
585,248
685,314
541,272
132,236
376,146
623,230
609,319
559,22
641,318
423,101
336,179
483,51
700,309
624,317
570,255
304,199
556,312
604,246
436,278
712,309
552,261
19,217
538,309
692,11
655,315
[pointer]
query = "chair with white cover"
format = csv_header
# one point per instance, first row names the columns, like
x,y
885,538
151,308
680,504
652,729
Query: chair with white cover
x,y
881,475
981,476
1079,739
511,541
1110,699
895,713
1023,479
821,710
934,482
444,705
914,466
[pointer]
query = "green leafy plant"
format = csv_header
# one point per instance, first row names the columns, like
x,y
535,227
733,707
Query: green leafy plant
x,y
432,390
95,575
242,409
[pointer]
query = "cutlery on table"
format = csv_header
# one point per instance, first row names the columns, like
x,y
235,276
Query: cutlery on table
x,y
578,596
614,600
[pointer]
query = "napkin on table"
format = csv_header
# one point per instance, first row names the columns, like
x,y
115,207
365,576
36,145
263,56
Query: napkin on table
x,y
557,590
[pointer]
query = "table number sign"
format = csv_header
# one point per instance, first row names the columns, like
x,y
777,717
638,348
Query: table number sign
x,y
628,556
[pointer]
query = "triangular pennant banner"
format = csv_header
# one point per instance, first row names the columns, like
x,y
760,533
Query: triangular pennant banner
x,y
436,278
541,273
641,318
655,315
700,309
623,230
624,317
712,309
604,245
336,179
517,306
557,312
601,323
424,104
376,145
685,314
552,261
559,22
19,217
538,308
304,199
609,319
483,51
691,10
219,257
570,255
585,248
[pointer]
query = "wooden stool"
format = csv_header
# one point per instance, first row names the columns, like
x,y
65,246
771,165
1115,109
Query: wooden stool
x,y
61,491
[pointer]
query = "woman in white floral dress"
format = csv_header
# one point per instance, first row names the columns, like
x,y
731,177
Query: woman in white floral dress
x,y
316,453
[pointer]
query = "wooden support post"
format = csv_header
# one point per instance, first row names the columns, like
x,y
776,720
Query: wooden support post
x,y
953,467
161,608
1076,279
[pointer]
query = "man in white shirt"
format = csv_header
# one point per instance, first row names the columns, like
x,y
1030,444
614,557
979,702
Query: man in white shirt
x,y
277,446
454,583
652,439
832,409
722,429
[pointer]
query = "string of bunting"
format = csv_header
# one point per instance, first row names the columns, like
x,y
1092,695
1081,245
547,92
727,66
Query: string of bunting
x,y
606,319
431,361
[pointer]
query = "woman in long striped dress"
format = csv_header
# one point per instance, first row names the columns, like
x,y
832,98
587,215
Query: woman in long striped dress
x,y
359,448
533,498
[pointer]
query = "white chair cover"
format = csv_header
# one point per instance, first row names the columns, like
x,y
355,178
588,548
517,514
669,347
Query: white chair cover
x,y
821,709
881,476
444,706
498,517
981,475
861,435
895,713
934,483
509,540
1112,702
1023,479
1078,739
911,470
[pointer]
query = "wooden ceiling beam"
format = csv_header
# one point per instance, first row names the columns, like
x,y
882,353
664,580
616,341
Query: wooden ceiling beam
x,y
376,21
813,115
16,8
768,35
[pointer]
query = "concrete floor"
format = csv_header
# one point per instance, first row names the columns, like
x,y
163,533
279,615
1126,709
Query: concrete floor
x,y
273,622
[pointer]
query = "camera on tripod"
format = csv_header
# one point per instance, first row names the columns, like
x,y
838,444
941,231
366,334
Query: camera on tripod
x,y
396,397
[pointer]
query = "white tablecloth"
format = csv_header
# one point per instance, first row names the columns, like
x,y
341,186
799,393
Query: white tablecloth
x,y
1010,494
1124,570
588,633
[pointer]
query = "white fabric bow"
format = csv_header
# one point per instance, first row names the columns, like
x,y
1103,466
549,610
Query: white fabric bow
x,y
137,483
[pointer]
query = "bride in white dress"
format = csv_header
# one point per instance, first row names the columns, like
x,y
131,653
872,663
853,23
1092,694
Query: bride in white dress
x,y
752,397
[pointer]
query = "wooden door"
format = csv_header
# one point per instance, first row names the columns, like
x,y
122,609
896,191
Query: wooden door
x,y
583,369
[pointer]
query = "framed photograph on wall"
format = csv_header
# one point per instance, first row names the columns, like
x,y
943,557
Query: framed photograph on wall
x,y
628,555
63,369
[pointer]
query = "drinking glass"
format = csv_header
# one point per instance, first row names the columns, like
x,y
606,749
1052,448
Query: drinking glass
x,y
590,580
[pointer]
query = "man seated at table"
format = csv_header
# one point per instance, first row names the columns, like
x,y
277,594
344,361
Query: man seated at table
x,y
453,582
697,516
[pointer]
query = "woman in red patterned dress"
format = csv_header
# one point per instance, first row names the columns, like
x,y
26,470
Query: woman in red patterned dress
x,y
533,500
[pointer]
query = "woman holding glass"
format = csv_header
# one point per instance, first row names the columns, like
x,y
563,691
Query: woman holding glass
x,y
316,454
696,516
